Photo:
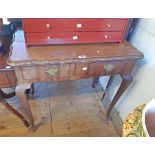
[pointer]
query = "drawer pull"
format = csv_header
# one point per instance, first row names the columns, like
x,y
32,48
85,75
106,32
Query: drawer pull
x,y
105,36
82,56
108,25
48,37
109,67
79,25
52,71
75,37
84,68
98,51
48,25
8,67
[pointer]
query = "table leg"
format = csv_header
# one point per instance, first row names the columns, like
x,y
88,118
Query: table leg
x,y
32,90
20,92
10,108
95,81
111,79
126,80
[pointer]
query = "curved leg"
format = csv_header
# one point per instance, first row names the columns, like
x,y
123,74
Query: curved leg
x,y
111,79
95,81
126,80
11,109
20,92
15,112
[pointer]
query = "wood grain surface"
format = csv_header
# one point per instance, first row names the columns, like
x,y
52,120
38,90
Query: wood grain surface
x,y
71,108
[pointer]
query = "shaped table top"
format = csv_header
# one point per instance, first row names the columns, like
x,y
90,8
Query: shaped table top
x,y
22,55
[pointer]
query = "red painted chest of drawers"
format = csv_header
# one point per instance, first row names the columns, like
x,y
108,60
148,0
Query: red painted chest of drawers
x,y
43,31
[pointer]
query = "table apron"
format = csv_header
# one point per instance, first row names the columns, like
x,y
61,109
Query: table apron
x,y
74,71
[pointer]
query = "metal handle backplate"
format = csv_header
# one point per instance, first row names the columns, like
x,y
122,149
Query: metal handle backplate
x,y
109,67
52,71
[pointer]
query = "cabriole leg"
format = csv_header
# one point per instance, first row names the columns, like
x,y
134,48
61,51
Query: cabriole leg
x,y
111,79
126,80
20,92
95,81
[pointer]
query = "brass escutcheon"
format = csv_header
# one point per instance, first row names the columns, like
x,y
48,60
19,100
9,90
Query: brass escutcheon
x,y
109,67
52,71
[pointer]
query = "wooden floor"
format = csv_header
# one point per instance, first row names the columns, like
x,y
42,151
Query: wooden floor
x,y
71,108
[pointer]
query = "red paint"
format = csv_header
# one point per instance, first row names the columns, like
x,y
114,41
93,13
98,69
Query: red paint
x,y
62,30
63,25
67,37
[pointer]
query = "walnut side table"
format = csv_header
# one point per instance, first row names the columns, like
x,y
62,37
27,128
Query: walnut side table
x,y
71,62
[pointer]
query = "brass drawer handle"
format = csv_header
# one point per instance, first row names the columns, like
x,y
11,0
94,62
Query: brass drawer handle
x,y
48,25
109,67
108,25
105,36
52,71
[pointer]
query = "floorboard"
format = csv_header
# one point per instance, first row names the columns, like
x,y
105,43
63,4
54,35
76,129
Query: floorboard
x,y
63,109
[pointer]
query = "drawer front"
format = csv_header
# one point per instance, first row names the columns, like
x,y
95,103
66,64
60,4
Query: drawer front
x,y
60,72
47,72
72,37
57,72
83,24
111,68
96,69
29,72
114,67
81,70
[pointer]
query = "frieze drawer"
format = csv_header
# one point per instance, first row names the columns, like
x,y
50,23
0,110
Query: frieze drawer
x,y
111,68
60,72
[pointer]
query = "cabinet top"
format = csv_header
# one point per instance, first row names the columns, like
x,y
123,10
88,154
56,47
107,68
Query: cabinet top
x,y
37,55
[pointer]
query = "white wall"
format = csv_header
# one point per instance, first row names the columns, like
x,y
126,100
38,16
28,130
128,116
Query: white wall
x,y
142,89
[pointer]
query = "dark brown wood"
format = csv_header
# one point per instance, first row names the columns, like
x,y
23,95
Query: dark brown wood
x,y
84,116
20,92
108,85
95,81
32,89
4,96
126,80
10,108
70,62
71,53
96,69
